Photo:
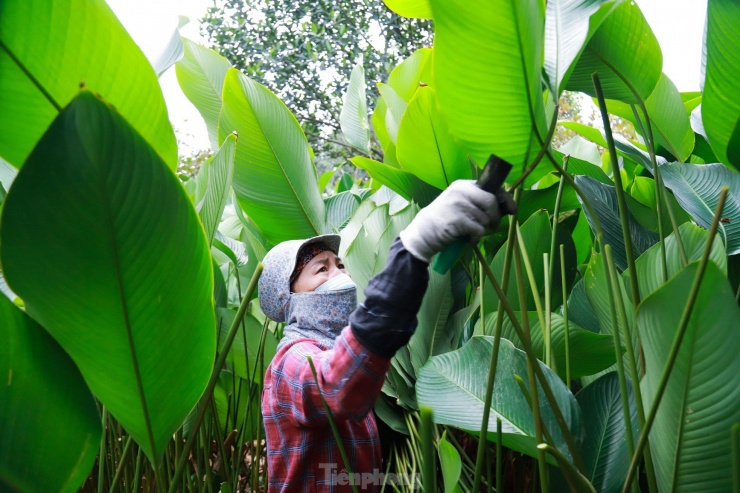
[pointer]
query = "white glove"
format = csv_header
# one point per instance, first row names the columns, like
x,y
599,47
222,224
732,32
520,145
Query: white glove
x,y
462,210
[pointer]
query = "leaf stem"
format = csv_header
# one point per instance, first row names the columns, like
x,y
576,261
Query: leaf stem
x,y
621,201
565,315
676,345
429,469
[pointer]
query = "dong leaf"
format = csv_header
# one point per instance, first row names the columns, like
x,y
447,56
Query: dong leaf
x,y
172,52
487,69
454,386
405,184
201,74
603,198
353,118
697,189
49,49
220,170
720,108
626,55
131,299
425,147
569,24
274,178
42,395
692,425
604,448
694,239
410,74
339,208
410,8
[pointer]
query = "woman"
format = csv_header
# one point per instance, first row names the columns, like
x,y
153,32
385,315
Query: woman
x,y
305,285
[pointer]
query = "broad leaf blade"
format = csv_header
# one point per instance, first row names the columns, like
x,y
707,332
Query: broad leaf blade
x,y
720,108
353,118
64,44
201,74
137,314
692,426
697,189
410,8
424,146
42,395
604,448
569,24
274,178
487,68
405,184
220,171
453,385
625,53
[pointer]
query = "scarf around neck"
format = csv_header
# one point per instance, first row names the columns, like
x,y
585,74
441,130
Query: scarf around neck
x,y
320,316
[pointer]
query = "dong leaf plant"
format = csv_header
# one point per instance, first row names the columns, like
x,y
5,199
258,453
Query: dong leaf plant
x,y
595,331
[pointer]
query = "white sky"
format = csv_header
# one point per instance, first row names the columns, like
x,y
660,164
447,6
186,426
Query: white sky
x,y
678,25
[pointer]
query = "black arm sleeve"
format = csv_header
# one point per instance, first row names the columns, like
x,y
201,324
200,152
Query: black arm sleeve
x,y
386,320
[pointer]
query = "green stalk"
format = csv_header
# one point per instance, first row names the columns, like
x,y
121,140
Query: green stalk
x,y
480,456
481,282
102,453
332,424
621,201
542,152
499,452
532,281
137,471
121,464
429,469
527,395
534,402
538,371
577,482
565,315
549,267
660,186
208,395
634,375
735,437
676,345
548,316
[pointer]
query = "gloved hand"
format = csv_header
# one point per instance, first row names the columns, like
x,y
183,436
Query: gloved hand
x,y
462,210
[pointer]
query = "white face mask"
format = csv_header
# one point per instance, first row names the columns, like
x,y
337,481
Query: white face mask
x,y
336,283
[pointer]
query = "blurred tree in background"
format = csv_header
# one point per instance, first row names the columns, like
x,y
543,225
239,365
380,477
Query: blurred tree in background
x,y
305,52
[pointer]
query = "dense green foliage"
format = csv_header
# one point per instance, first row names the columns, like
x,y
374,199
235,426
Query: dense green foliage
x,y
595,332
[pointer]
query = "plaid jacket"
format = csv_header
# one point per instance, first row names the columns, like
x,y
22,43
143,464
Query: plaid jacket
x,y
302,454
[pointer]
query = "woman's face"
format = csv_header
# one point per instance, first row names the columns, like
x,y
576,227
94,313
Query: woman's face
x,y
317,271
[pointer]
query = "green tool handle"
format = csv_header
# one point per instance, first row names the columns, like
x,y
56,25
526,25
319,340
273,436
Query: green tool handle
x,y
491,180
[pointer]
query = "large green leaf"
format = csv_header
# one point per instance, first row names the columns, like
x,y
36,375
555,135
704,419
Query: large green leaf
x,y
48,49
405,184
569,24
694,239
487,69
642,189
413,72
454,386
697,189
668,118
580,310
625,53
172,52
720,108
339,208
424,146
48,418
220,171
274,178
589,352
353,118
201,74
691,433
603,198
604,447
410,8
104,247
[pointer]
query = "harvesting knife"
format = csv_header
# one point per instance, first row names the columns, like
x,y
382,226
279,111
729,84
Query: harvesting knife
x,y
491,180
